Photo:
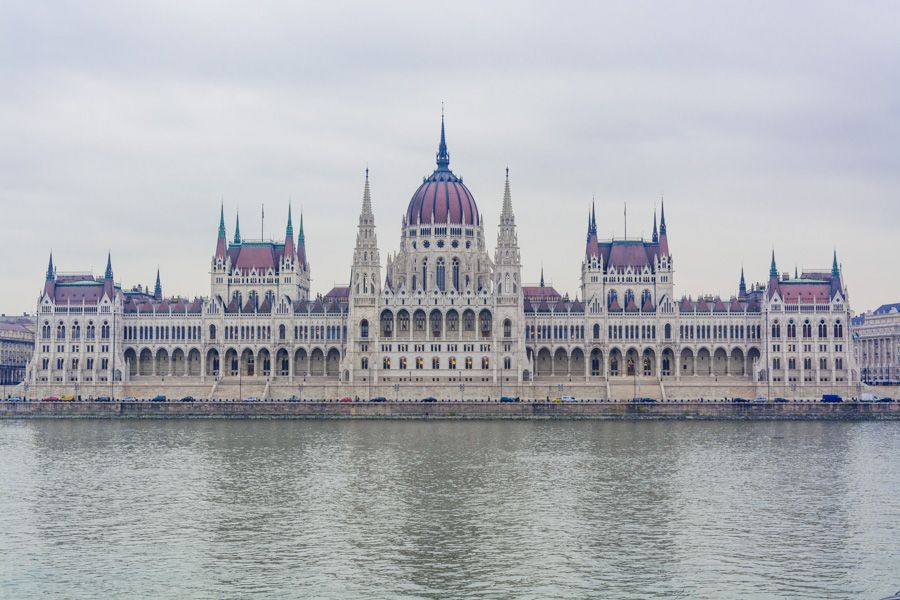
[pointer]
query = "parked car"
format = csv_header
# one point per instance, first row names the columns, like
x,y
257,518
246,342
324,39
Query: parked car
x,y
50,399
867,397
129,399
568,399
885,399
739,400
187,399
251,399
13,399
346,399
378,399
643,400
428,399
159,398
831,398
780,400
104,399
761,399
509,398
67,398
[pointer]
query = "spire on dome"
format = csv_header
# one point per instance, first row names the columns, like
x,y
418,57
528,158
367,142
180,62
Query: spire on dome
x,y
157,290
109,272
773,269
655,233
237,228
443,156
50,271
835,270
742,287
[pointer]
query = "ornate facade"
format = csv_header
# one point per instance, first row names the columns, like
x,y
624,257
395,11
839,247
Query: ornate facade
x,y
876,340
442,311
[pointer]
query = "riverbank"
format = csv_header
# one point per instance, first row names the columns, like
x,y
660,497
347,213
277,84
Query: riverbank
x,y
851,411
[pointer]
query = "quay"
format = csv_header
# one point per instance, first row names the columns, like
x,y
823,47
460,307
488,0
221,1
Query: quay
x,y
472,409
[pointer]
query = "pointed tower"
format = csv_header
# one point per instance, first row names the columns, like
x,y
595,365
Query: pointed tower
x,y
365,294
835,270
289,250
109,272
507,259
220,240
443,156
773,269
663,235
365,274
542,275
742,286
157,289
237,228
655,238
50,283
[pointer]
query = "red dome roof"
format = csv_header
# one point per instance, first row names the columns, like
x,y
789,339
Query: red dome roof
x,y
442,198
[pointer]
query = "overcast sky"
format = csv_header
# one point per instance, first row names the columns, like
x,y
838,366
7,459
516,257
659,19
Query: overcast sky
x,y
764,125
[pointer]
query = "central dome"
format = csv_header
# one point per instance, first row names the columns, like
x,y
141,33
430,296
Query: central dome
x,y
443,197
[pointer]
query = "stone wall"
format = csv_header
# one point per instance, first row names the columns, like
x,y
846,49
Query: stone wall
x,y
455,410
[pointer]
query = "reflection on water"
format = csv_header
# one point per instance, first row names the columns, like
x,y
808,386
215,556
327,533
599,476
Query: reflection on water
x,y
383,509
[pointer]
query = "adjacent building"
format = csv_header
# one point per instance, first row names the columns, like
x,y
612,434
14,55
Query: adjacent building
x,y
876,341
16,348
443,311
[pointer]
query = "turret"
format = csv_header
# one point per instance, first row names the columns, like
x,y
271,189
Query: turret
x,y
663,237
301,246
742,286
237,228
655,234
50,283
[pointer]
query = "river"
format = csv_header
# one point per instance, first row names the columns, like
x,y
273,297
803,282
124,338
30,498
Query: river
x,y
448,509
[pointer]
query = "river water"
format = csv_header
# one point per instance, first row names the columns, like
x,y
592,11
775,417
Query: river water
x,y
450,509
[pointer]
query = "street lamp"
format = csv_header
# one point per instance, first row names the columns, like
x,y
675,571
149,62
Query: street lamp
x,y
397,392
462,389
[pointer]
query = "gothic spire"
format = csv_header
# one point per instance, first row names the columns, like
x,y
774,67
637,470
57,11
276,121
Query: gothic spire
x,y
542,275
835,270
593,217
301,244
290,226
655,233
443,157
662,217
773,270
50,273
109,273
742,287
301,239
289,236
222,221
367,202
157,290
237,228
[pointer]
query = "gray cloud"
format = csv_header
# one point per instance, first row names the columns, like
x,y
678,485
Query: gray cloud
x,y
763,124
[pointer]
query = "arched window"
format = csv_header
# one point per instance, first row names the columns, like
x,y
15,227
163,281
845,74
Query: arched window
x,y
484,319
386,363
282,332
776,329
104,330
485,363
611,298
838,329
440,274
425,275
212,332
645,297
364,328
420,363
629,297
792,329
596,331
90,330
807,329
507,328
435,363
76,330
45,330
823,329
668,331
468,362
455,267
